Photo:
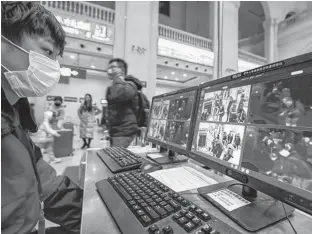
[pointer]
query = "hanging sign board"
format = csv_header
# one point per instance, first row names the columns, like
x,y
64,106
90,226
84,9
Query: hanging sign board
x,y
70,99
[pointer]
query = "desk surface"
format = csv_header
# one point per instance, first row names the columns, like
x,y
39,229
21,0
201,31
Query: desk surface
x,y
97,219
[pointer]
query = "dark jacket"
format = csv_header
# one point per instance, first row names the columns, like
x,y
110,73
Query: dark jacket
x,y
123,104
24,172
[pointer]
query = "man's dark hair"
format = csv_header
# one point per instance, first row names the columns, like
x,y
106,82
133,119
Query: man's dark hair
x,y
31,18
121,63
59,98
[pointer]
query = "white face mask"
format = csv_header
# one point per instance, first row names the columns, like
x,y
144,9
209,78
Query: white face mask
x,y
42,74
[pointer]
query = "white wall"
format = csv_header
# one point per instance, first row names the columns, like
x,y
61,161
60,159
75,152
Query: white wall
x,y
162,88
197,18
279,11
177,15
191,16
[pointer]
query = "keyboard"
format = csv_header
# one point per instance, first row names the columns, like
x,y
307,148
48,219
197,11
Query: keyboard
x,y
119,159
141,204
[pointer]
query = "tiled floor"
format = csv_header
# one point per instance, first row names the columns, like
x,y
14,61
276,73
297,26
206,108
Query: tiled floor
x,y
77,154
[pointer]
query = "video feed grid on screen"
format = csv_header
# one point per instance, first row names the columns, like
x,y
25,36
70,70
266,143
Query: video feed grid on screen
x,y
177,132
181,107
157,129
160,109
170,119
222,141
278,124
285,102
229,105
284,154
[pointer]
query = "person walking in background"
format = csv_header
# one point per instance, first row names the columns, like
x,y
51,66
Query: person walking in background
x,y
46,136
123,104
142,120
58,113
86,114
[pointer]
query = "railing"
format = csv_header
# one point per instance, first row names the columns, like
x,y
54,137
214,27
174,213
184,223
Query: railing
x,y
184,37
249,57
83,8
295,19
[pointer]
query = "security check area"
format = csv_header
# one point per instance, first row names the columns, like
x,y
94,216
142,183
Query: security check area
x,y
233,155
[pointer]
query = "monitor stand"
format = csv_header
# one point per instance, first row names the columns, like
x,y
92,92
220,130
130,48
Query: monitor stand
x,y
165,156
261,212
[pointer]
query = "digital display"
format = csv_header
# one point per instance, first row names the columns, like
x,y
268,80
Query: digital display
x,y
171,117
263,123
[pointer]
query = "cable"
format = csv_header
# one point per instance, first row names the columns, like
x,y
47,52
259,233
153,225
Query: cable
x,y
289,219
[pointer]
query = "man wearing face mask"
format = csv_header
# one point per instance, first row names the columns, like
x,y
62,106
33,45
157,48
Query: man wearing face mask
x,y
31,39
123,104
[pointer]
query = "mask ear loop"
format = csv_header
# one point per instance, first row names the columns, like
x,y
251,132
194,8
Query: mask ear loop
x,y
13,44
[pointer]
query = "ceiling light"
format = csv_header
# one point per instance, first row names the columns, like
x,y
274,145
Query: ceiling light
x,y
92,66
176,78
166,77
72,56
172,73
184,75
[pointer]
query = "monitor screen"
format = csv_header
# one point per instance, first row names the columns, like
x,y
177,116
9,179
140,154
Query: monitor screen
x,y
263,121
171,117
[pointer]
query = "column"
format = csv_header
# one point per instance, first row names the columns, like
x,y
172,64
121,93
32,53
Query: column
x,y
136,35
270,39
228,43
211,19
230,38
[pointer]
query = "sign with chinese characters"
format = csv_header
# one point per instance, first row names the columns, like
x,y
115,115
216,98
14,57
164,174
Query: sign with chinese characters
x,y
88,30
70,99
140,50
144,84
50,98
259,69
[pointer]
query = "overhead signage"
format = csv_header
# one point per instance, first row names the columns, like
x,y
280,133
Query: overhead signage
x,y
88,30
50,98
144,84
70,99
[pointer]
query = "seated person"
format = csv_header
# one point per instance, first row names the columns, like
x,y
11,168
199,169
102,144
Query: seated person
x,y
32,38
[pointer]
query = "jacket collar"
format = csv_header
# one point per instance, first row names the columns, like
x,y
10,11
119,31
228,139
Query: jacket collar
x,y
18,114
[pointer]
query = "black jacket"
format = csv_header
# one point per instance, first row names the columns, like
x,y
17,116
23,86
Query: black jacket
x,y
24,172
123,104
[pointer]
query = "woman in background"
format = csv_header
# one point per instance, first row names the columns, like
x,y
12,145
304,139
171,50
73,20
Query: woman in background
x,y
86,114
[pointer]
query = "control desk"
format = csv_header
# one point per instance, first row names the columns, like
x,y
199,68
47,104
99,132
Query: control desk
x,y
97,219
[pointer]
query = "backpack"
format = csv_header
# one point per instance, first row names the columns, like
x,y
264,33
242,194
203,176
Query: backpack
x,y
143,110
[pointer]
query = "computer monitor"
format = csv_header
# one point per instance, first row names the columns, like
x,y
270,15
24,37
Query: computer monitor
x,y
256,127
169,124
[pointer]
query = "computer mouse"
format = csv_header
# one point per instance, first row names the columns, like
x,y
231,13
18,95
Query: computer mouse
x,y
150,167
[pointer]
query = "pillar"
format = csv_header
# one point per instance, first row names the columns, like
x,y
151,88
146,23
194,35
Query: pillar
x,y
211,19
227,43
136,35
270,39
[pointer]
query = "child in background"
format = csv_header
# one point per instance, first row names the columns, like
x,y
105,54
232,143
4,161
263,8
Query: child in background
x,y
46,136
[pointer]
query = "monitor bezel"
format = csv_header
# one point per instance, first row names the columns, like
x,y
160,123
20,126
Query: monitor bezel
x,y
281,191
167,145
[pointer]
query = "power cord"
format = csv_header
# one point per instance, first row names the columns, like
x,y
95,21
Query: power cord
x,y
293,228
